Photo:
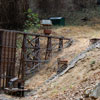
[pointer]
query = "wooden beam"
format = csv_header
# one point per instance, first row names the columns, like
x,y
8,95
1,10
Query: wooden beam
x,y
48,49
36,34
37,50
60,44
1,37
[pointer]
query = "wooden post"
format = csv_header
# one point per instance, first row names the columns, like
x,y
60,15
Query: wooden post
x,y
37,50
23,57
60,44
1,37
14,50
8,70
49,48
62,64
4,56
20,73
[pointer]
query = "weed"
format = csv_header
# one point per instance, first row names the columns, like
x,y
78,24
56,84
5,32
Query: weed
x,y
64,89
92,62
55,91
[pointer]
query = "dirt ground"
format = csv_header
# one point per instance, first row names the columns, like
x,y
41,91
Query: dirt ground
x,y
85,74
80,35
82,70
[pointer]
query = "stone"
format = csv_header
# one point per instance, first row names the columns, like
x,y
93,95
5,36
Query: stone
x,y
81,98
96,92
2,97
86,93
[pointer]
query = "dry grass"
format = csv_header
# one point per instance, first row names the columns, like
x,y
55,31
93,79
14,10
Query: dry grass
x,y
81,34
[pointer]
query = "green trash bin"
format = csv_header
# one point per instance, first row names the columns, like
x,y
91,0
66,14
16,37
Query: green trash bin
x,y
98,2
58,21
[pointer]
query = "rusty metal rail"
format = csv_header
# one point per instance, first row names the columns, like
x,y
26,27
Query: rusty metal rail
x,y
35,50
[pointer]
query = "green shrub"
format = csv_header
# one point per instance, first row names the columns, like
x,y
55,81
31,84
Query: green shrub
x,y
32,22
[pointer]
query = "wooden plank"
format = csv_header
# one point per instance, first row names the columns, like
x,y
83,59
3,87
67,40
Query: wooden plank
x,y
60,44
1,37
15,44
5,37
16,90
36,34
13,53
22,59
48,49
37,50
8,62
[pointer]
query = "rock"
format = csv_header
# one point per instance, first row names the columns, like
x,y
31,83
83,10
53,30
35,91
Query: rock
x,y
86,93
81,98
96,92
2,97
94,40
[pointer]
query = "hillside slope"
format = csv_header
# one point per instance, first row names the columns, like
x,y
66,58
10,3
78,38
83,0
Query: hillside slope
x,y
85,74
82,71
